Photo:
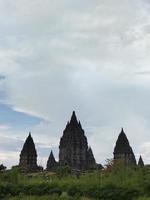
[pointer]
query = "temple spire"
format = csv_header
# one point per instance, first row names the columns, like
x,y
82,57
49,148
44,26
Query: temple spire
x,y
51,163
52,156
73,120
91,159
28,156
80,126
122,144
123,149
122,135
67,125
122,131
140,162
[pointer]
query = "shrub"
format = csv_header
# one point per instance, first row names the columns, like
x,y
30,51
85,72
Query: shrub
x,y
74,191
42,189
63,171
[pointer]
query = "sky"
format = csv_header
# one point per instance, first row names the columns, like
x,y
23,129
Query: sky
x,y
88,56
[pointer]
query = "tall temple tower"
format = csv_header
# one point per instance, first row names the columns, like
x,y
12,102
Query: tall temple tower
x,y
123,150
73,148
28,156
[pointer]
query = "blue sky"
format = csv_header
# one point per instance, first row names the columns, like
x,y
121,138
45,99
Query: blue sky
x,y
60,56
18,120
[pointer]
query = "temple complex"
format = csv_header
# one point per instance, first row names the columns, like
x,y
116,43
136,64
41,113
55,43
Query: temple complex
x,y
123,150
75,152
73,148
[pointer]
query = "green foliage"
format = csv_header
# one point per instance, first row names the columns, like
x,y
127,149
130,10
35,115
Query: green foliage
x,y
53,197
11,176
74,191
63,171
120,184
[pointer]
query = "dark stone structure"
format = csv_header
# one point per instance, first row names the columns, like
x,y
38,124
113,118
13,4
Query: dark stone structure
x,y
51,163
140,162
123,150
73,148
28,156
90,159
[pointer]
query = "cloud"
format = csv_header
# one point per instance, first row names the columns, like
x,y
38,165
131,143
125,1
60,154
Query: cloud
x,y
143,73
9,148
144,151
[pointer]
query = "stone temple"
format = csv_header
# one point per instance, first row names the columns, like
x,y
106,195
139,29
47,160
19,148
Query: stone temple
x,y
51,163
28,156
123,150
140,162
73,148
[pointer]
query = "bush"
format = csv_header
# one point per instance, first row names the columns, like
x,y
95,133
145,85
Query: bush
x,y
63,171
115,193
42,189
74,191
31,189
127,184
112,192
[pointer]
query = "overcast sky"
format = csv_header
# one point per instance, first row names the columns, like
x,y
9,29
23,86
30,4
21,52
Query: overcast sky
x,y
89,56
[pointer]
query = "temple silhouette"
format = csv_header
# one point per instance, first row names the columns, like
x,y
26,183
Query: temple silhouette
x,y
73,148
51,163
28,156
123,150
75,152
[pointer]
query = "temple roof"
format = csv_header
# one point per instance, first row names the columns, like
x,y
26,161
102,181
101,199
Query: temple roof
x,y
90,151
79,124
51,163
140,162
122,144
73,121
29,146
90,154
73,133
51,158
73,124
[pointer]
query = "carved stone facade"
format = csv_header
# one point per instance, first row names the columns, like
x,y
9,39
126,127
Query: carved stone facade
x,y
28,156
51,163
73,148
123,150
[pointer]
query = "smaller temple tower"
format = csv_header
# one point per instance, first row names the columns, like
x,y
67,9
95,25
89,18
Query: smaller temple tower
x,y
140,162
51,163
28,156
90,159
123,150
